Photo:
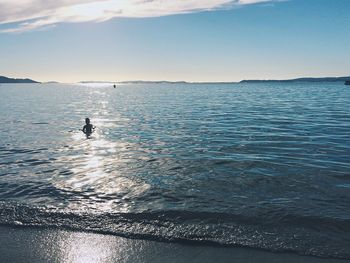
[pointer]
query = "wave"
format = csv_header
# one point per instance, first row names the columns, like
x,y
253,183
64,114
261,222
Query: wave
x,y
322,237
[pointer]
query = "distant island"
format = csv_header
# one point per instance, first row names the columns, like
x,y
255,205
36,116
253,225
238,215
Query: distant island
x,y
327,79
137,82
11,80
51,82
324,79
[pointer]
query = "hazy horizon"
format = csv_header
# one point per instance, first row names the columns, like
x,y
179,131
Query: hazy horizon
x,y
165,80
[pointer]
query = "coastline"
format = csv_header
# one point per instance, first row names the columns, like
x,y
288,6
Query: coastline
x,y
28,244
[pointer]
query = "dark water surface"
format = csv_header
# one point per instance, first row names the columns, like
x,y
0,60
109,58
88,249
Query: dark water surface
x,y
257,165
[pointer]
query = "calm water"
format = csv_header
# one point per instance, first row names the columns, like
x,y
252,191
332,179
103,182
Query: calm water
x,y
256,165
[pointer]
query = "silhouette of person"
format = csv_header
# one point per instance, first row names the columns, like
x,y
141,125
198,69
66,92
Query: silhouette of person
x,y
114,86
88,128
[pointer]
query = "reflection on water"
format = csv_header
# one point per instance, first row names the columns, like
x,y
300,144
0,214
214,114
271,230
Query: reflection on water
x,y
271,162
97,173
207,148
82,248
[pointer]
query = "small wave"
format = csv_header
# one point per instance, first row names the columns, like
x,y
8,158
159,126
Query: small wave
x,y
40,123
7,150
186,226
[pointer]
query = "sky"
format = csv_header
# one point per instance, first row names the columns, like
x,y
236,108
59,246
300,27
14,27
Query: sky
x,y
175,40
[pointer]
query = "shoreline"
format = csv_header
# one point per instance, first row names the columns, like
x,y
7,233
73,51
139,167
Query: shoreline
x,y
32,244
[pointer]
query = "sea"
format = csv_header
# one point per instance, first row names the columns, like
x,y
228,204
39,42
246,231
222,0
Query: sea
x,y
256,165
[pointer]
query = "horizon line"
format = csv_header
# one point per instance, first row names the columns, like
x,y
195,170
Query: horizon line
x,y
181,81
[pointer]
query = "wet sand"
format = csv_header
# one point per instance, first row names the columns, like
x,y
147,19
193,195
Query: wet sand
x,y
22,244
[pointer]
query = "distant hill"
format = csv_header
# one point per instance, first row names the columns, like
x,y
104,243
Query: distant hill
x,y
136,82
10,80
327,79
153,82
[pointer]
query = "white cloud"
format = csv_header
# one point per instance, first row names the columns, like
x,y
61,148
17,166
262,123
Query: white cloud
x,y
25,15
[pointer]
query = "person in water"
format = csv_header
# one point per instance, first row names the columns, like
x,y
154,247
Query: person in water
x,y
88,128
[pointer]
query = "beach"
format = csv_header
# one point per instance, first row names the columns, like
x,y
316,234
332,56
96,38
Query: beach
x,y
21,244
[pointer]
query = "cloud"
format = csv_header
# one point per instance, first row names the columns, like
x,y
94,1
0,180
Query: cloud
x,y
26,15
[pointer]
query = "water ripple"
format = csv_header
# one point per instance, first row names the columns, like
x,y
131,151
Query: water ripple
x,y
267,154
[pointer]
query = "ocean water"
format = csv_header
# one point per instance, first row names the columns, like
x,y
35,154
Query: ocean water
x,y
256,165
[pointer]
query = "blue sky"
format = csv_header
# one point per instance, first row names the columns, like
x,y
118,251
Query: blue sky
x,y
214,40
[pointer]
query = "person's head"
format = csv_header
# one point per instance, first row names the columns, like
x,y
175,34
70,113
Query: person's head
x,y
87,121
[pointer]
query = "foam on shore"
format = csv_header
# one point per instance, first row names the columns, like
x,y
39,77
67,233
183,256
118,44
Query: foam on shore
x,y
28,244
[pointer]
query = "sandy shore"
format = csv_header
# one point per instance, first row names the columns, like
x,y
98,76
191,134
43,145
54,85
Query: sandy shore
x,y
52,245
